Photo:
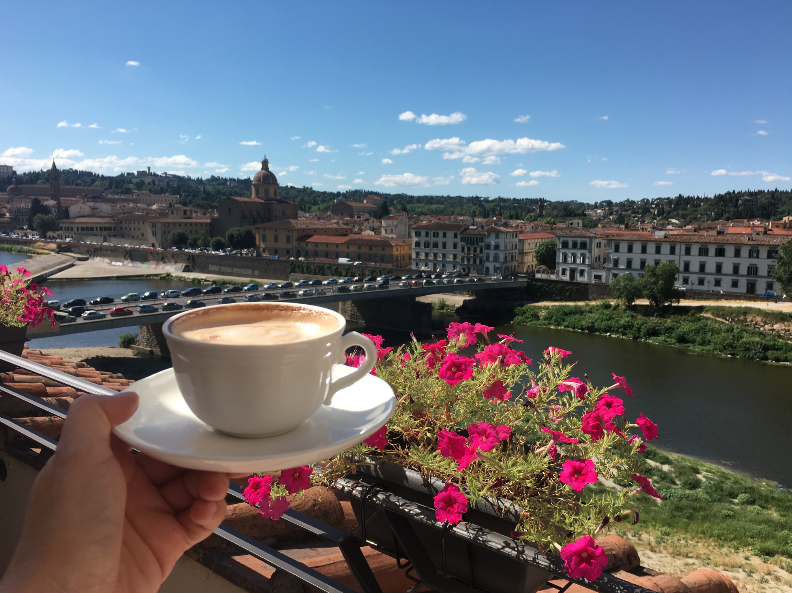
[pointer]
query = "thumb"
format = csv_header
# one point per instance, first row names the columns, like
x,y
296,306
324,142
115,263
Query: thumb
x,y
92,417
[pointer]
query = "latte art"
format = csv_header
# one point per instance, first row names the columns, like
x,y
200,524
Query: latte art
x,y
269,331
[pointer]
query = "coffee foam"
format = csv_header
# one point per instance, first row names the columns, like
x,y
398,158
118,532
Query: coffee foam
x,y
252,325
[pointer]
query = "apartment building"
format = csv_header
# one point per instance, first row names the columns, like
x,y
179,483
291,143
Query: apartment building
x,y
526,250
280,237
155,231
6,170
500,251
86,228
580,256
436,246
395,226
472,256
369,249
721,263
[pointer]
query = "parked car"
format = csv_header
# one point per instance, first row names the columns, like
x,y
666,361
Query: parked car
x,y
252,298
369,279
382,286
769,294
343,289
470,280
194,304
404,284
288,294
459,281
271,286
319,291
286,285
254,286
67,319
385,279
234,288
149,296
428,282
147,308
358,279
316,282
171,294
303,283
212,290
497,279
347,280
92,315
355,288
53,304
120,312
267,296
370,287
480,279
73,303
225,300
78,309
130,297
330,281
172,307
193,291
306,293
102,301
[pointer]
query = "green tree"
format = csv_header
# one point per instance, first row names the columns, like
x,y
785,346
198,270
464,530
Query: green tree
x,y
589,223
45,223
204,240
178,238
218,244
658,285
383,210
626,289
194,242
36,208
782,273
546,254
241,238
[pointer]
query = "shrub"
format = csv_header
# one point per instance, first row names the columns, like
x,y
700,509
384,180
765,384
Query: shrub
x,y
745,498
126,340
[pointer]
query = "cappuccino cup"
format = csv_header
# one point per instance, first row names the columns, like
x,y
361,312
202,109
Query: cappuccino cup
x,y
261,369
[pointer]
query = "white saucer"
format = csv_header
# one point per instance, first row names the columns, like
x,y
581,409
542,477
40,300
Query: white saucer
x,y
163,427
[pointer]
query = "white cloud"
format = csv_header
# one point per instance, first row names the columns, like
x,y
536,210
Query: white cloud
x,y
223,170
310,172
760,121
521,119
94,126
662,183
62,153
339,176
607,184
214,165
295,137
527,183
168,162
605,117
109,141
442,120
76,125
293,168
313,160
491,160
344,187
404,150
442,180
316,183
63,124
403,180
518,173
552,173
132,63
121,131
490,147
472,177
182,139
321,148
358,181
773,177
387,162
365,153
309,144
250,143
465,159
359,145
254,166
361,172
18,151
407,116
198,137
604,159
672,171
761,133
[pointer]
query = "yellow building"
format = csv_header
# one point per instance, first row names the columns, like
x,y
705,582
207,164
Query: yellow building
x,y
369,249
280,237
155,231
526,250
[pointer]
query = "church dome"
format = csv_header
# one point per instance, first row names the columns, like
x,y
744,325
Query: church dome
x,y
12,190
265,176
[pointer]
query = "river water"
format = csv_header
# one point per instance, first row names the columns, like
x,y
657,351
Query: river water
x,y
736,413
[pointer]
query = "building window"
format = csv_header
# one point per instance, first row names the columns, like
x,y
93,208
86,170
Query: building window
x,y
455,245
720,252
717,282
771,253
435,234
563,257
769,285
735,269
702,267
672,249
617,247
686,266
703,251
685,279
275,239
643,247
455,235
658,246
444,245
615,276
563,271
737,252
629,247
753,270
565,245
735,284
701,280
657,262
643,264
718,268
417,233
629,263
753,253
584,244
615,262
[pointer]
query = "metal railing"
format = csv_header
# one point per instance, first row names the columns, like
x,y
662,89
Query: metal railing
x,y
410,555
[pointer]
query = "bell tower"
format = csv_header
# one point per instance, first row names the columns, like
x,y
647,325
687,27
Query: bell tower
x,y
55,184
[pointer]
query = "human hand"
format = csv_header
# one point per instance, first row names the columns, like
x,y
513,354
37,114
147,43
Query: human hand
x,y
100,519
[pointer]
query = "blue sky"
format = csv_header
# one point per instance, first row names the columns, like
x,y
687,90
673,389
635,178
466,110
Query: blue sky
x,y
563,100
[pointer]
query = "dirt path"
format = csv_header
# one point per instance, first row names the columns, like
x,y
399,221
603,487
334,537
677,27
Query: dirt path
x,y
450,298
769,306
114,360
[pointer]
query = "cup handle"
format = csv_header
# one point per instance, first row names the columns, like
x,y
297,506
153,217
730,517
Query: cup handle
x,y
347,341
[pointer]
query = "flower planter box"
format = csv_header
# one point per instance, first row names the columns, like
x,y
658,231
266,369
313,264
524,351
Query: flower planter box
x,y
479,565
12,340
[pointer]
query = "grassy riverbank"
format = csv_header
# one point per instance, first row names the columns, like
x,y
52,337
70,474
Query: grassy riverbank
x,y
20,249
682,326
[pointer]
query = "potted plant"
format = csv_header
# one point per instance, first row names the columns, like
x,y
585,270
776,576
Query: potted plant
x,y
22,305
482,434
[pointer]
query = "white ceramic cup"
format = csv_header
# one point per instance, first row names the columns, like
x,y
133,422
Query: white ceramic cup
x,y
261,390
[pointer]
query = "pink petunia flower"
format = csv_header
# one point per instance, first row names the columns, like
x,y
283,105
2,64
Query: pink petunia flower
x,y
552,350
509,339
648,427
258,488
456,368
356,360
497,391
584,559
486,437
296,478
462,329
449,504
435,352
378,340
535,391
610,405
576,473
451,445
645,486
641,447
273,508
379,439
575,385
622,383
494,353
595,422
555,438
482,329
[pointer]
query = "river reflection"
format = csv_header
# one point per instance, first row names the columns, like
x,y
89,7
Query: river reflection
x,y
731,412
